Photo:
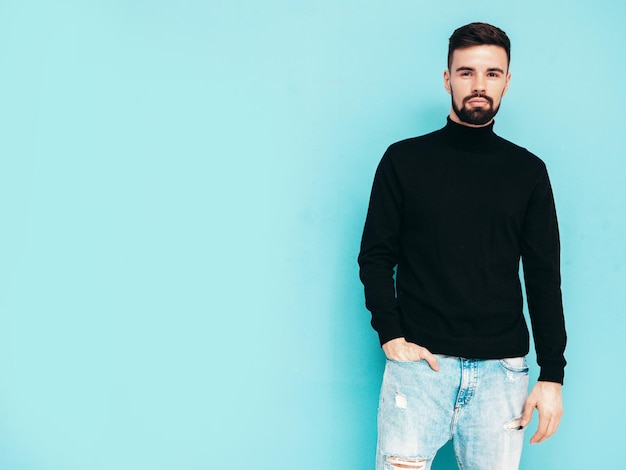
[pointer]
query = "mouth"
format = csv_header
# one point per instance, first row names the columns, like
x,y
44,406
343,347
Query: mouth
x,y
478,102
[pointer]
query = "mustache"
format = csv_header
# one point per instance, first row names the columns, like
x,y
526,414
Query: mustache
x,y
478,95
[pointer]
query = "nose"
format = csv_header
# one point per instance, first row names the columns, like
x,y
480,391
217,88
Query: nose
x,y
479,84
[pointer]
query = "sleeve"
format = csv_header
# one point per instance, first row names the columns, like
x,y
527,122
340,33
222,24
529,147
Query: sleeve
x,y
379,250
540,248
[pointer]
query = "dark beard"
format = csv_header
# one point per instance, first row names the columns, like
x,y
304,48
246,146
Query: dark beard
x,y
475,116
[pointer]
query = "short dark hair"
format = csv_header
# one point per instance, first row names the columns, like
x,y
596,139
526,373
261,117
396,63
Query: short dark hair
x,y
478,34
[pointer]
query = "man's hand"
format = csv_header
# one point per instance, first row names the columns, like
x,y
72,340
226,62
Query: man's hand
x,y
400,349
546,397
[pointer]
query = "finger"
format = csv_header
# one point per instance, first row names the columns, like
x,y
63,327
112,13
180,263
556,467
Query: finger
x,y
553,425
542,430
527,415
552,419
540,436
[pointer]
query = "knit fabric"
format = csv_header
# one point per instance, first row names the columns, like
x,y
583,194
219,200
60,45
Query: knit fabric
x,y
451,214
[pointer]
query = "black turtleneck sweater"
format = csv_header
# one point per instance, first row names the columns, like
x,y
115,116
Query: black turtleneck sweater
x,y
454,211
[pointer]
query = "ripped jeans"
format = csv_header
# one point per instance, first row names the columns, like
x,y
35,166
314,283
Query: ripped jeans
x,y
474,402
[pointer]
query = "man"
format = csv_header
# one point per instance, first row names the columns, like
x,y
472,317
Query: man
x,y
453,212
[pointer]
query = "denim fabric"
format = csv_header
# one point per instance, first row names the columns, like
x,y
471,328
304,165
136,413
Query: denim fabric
x,y
476,403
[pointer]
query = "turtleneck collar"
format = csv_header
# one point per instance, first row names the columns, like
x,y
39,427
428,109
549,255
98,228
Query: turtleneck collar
x,y
474,139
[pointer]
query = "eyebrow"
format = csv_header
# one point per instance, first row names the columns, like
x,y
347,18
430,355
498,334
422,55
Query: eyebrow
x,y
472,69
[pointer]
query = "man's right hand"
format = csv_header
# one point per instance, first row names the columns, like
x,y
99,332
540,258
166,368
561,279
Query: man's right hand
x,y
399,349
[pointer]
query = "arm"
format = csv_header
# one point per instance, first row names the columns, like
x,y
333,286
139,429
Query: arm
x,y
379,250
540,249
378,259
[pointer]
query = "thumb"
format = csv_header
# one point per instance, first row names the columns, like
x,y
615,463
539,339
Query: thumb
x,y
528,413
431,359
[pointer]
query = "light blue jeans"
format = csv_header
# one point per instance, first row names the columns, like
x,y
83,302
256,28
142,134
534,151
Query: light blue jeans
x,y
476,403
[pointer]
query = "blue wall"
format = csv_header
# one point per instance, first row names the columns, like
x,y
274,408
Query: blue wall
x,y
182,189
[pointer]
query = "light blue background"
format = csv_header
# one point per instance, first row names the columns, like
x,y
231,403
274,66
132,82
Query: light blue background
x,y
183,186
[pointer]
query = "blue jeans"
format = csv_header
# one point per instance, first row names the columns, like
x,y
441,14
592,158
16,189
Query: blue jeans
x,y
476,403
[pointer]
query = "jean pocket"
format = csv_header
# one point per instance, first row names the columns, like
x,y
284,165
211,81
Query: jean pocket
x,y
515,364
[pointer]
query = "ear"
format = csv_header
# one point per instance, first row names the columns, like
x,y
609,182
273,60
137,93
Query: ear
x,y
446,81
506,85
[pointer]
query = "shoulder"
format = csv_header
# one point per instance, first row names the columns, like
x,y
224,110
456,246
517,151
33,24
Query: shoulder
x,y
521,154
525,163
414,144
406,151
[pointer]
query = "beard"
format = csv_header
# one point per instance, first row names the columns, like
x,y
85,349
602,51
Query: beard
x,y
477,116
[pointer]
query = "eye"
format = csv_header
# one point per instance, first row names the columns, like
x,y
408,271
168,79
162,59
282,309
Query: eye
x,y
493,75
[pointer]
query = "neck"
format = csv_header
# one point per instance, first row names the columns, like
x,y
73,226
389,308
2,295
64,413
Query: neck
x,y
470,138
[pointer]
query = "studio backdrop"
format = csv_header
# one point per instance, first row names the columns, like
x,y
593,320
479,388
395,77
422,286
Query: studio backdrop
x,y
183,186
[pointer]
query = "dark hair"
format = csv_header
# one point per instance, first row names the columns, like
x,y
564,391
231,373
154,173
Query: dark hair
x,y
478,34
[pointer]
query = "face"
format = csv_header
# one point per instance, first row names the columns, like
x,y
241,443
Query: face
x,y
477,80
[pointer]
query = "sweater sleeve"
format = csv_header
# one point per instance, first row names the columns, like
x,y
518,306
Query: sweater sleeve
x,y
540,248
379,251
